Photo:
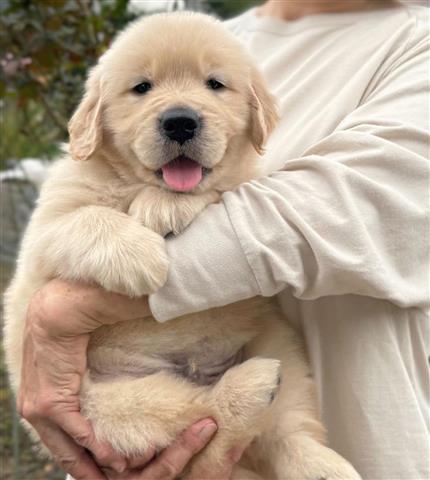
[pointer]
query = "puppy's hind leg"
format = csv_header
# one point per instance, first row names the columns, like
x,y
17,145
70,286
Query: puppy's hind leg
x,y
240,400
292,444
134,414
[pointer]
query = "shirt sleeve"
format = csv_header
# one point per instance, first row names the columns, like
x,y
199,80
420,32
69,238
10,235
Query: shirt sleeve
x,y
349,217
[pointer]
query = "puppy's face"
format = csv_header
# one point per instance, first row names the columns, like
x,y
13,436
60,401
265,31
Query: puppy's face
x,y
179,103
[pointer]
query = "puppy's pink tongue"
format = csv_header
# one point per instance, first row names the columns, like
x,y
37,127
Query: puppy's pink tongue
x,y
182,174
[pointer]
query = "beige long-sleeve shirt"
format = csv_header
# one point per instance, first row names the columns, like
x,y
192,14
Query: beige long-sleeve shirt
x,y
339,228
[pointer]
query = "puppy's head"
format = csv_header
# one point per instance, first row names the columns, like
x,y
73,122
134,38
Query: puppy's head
x,y
175,102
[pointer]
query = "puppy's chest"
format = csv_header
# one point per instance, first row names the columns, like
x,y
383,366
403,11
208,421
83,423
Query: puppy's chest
x,y
117,195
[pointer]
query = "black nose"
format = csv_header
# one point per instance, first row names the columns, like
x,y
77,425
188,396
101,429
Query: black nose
x,y
180,124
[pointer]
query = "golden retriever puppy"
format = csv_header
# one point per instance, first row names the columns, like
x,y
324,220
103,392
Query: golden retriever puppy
x,y
174,114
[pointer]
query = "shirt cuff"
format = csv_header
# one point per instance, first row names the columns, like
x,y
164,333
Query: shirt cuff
x,y
208,268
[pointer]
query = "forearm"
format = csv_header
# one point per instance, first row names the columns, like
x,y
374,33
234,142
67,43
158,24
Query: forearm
x,y
207,268
321,227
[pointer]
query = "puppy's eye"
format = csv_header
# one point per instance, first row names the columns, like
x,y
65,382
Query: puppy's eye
x,y
214,84
142,88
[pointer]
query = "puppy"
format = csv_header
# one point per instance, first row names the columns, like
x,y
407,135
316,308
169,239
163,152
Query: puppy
x,y
174,114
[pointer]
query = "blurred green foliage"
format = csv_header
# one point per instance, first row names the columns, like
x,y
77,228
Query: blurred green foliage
x,y
48,46
229,9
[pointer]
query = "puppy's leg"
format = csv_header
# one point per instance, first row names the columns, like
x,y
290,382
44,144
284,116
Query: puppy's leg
x,y
133,414
240,400
291,446
102,245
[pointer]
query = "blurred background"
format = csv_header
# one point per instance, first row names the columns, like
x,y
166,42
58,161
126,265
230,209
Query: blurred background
x,y
46,48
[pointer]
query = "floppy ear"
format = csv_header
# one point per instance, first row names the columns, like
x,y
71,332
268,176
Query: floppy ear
x,y
264,115
85,126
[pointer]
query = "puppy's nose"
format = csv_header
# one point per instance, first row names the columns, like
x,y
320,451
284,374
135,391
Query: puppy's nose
x,y
180,124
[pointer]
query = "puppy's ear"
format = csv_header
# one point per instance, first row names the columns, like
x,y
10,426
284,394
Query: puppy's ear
x,y
264,114
85,126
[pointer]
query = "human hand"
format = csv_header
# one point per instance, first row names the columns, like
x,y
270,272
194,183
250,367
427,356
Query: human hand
x,y
173,460
60,318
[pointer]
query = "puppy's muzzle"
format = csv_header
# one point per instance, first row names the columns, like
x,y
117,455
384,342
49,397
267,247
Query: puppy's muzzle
x,y
180,124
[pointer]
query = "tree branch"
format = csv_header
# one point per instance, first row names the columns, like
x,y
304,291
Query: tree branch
x,y
58,119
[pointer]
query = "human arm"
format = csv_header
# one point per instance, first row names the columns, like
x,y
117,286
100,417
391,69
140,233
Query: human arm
x,y
349,216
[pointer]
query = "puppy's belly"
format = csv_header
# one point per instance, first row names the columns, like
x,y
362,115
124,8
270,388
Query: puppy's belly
x,y
197,367
199,347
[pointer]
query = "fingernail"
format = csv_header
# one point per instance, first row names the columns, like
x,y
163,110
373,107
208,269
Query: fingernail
x,y
207,429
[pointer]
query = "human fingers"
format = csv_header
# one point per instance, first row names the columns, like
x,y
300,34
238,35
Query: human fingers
x,y
80,430
66,308
69,456
51,375
174,458
134,467
35,406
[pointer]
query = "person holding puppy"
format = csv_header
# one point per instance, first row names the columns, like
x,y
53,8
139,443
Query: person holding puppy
x,y
338,228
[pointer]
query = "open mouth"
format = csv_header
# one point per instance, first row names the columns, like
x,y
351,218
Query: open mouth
x,y
182,174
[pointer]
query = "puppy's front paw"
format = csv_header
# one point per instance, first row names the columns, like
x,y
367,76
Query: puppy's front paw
x,y
118,254
138,267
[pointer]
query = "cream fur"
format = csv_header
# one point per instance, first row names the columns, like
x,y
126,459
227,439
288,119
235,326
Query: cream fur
x,y
103,220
